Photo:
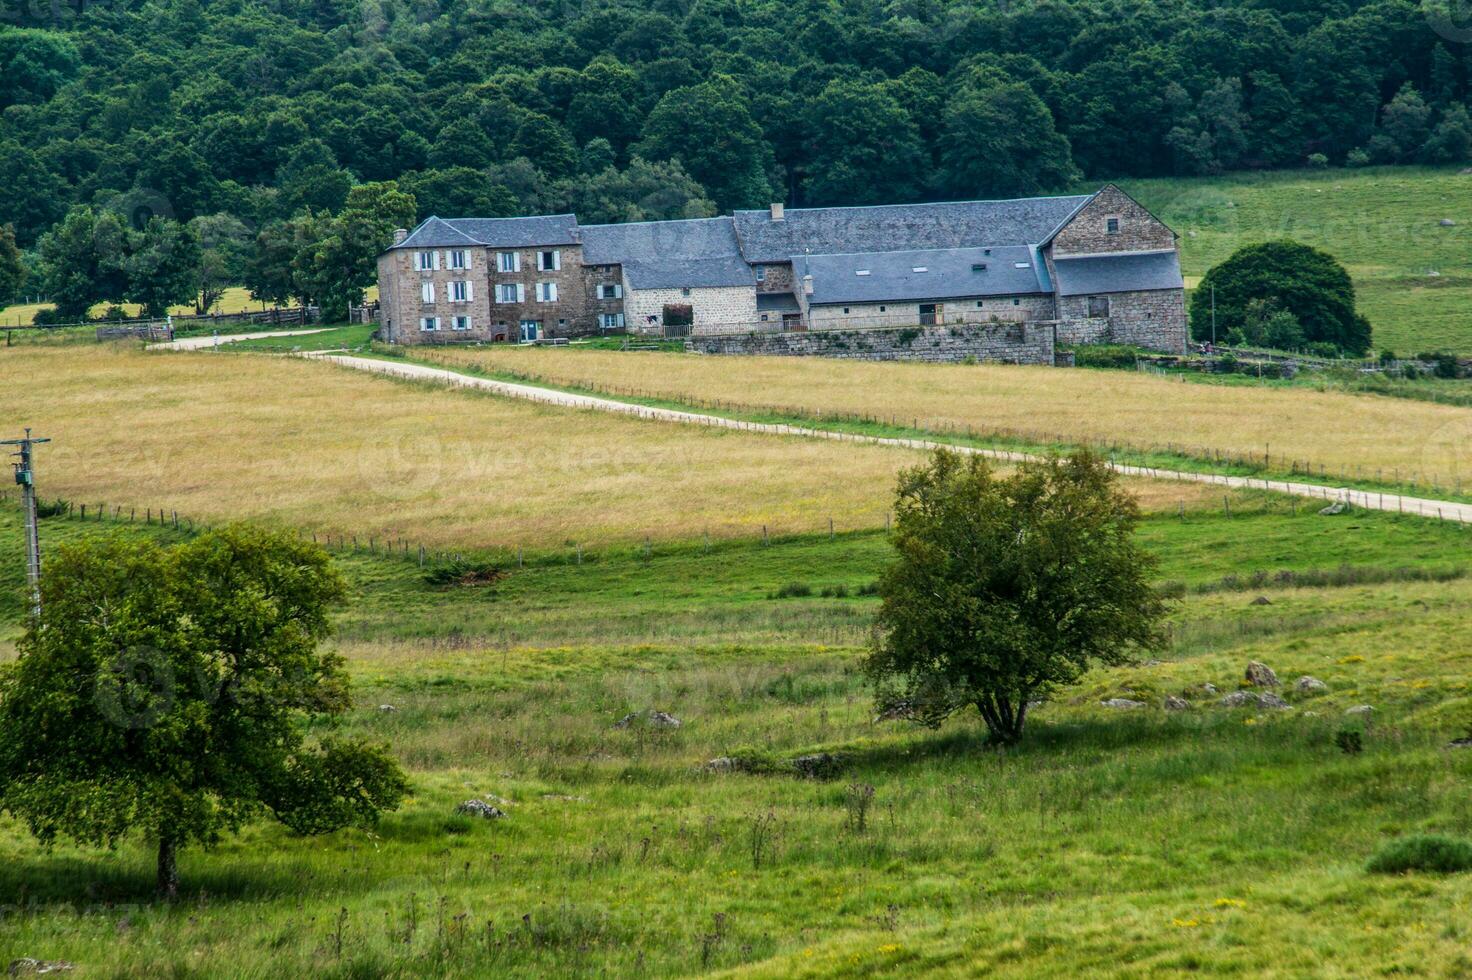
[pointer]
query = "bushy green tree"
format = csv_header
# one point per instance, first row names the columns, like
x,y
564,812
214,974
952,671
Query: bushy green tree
x,y
162,266
170,694
1000,142
865,148
224,242
1308,283
1004,588
84,261
12,267
709,129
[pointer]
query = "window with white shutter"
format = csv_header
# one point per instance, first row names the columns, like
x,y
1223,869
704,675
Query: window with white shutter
x,y
546,292
457,259
549,261
423,261
429,323
610,291
459,291
508,261
462,323
426,292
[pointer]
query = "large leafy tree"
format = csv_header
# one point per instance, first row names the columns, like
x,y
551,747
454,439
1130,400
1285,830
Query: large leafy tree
x,y
1000,142
709,129
224,242
1306,282
12,266
162,266
84,260
864,147
1003,588
338,259
170,694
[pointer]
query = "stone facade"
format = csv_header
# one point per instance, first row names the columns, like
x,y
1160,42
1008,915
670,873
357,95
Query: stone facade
x,y
1088,232
1153,319
774,277
1011,343
1082,331
1013,309
710,306
569,314
402,303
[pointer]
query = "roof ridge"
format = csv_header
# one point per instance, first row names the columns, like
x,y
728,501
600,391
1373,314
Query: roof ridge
x,y
921,204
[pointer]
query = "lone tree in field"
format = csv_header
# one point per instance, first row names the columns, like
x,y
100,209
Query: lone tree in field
x,y
1006,587
1290,277
169,693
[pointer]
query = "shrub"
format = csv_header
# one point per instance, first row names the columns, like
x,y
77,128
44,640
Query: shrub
x,y
1317,161
52,508
792,590
1357,158
1350,741
1424,852
459,571
835,592
1105,356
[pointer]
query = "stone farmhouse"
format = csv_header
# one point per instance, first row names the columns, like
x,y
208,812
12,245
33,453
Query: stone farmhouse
x,y
1084,268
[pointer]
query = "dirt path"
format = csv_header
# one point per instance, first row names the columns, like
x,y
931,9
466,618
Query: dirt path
x,y
200,343
1441,509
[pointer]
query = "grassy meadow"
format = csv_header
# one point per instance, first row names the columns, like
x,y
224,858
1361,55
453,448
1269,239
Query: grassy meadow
x,y
1345,435
235,299
1413,276
1109,842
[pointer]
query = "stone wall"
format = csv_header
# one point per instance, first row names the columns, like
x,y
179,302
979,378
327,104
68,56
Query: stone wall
x,y
776,277
401,297
1082,330
904,314
571,315
1153,319
1088,231
710,305
1015,343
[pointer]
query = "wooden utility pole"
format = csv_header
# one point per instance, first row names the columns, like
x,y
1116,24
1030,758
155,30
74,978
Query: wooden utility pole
x,y
25,475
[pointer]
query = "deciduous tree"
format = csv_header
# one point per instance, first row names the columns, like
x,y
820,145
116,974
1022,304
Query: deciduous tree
x,y
1004,588
179,694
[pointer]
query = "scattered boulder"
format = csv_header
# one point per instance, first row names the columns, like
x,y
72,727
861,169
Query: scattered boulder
x,y
1123,704
1361,709
724,763
1310,685
28,967
562,798
387,709
819,765
1261,600
1260,674
1460,743
1209,688
1337,507
654,719
1176,703
1253,699
479,809
900,710
1447,223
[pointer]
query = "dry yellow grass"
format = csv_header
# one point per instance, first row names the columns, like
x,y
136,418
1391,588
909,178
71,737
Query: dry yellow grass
x,y
235,299
1347,434
218,436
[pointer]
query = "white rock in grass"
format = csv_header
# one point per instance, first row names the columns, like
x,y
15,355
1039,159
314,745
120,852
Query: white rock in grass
x,y
1361,709
1123,704
481,809
1174,703
28,967
1252,699
1310,685
661,719
387,708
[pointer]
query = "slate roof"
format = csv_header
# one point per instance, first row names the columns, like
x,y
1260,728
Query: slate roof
x,y
698,252
544,229
960,224
777,303
1118,273
950,273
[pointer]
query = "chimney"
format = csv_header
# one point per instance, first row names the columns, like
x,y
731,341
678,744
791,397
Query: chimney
x,y
400,234
807,285
777,211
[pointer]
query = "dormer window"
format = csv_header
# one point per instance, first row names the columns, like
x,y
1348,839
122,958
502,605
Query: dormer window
x,y
920,268
1111,225
861,272
1022,265
978,267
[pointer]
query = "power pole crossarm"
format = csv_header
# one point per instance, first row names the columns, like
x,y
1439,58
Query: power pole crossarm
x,y
25,475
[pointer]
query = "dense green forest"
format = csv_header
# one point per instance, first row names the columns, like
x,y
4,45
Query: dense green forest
x,y
250,113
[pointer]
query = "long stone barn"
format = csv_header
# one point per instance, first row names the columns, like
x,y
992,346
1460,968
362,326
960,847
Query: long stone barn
x,y
998,280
